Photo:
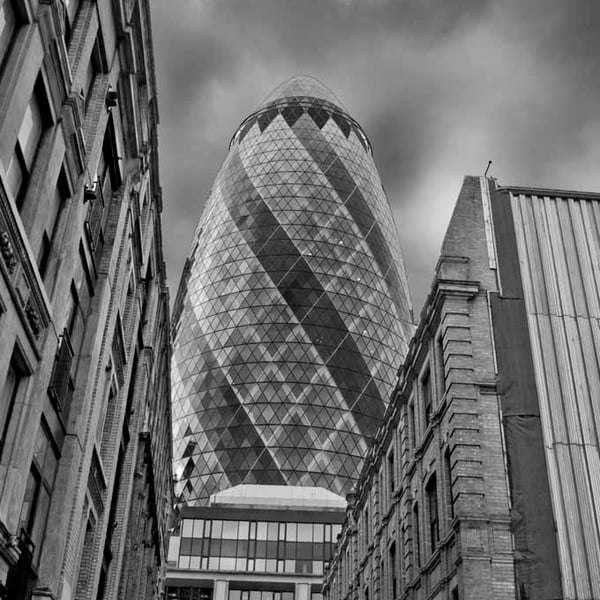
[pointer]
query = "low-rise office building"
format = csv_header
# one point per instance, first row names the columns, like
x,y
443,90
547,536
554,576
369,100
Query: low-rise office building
x,y
480,482
255,542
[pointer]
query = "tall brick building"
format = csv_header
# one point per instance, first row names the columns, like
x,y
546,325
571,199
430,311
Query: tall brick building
x,y
482,483
85,448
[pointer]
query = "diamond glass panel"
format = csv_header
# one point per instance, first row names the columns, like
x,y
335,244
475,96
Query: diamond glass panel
x,y
293,311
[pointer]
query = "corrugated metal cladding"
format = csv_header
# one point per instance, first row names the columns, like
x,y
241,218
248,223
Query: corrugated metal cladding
x,y
558,240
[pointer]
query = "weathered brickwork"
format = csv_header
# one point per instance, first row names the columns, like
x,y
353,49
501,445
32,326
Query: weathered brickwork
x,y
85,443
431,515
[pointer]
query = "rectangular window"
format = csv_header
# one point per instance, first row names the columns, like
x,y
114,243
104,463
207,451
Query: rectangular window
x,y
448,483
393,579
432,509
416,536
426,395
391,472
13,383
28,139
8,27
29,136
412,424
367,527
34,511
439,361
108,180
55,205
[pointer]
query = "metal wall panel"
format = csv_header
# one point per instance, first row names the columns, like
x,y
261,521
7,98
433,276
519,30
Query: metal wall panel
x,y
558,244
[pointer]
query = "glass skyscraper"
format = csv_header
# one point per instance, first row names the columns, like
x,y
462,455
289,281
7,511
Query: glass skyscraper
x,y
293,312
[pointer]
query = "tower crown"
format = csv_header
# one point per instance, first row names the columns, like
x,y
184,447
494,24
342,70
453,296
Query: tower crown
x,y
301,86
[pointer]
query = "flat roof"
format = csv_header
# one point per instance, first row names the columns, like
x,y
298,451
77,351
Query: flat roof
x,y
278,497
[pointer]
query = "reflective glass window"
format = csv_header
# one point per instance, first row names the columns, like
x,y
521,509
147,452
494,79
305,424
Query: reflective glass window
x,y
318,532
227,563
186,546
303,566
196,549
272,531
243,530
198,528
261,531
215,547
305,532
304,550
271,549
228,547
290,532
184,562
217,528
230,529
271,565
187,528
261,549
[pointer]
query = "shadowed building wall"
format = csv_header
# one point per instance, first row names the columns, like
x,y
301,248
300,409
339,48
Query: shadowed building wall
x,y
85,446
481,482
293,310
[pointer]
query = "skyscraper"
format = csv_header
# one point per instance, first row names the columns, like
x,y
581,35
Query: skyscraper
x,y
293,312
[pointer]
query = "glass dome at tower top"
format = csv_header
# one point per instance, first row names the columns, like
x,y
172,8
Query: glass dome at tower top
x,y
302,86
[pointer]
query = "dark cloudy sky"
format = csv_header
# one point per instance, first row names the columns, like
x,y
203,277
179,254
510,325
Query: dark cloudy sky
x,y
440,87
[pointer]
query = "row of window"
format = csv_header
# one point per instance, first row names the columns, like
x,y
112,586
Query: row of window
x,y
256,545
181,593
45,213
259,530
253,565
427,394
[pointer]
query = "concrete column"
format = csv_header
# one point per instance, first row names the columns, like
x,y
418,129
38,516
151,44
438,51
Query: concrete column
x,y
302,591
221,589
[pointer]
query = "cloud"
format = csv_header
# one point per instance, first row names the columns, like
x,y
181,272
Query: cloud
x,y
440,88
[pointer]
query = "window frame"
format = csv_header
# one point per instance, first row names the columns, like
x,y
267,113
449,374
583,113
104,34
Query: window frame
x,y
433,511
32,522
23,158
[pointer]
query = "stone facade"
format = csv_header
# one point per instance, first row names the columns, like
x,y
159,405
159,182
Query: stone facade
x,y
85,442
465,492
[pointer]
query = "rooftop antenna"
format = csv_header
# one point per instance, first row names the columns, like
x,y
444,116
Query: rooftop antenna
x,y
487,168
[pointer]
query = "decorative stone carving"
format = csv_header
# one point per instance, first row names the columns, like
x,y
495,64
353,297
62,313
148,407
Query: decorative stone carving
x,y
33,317
7,251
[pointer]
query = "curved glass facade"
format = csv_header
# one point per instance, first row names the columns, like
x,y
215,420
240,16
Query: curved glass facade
x,y
293,312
